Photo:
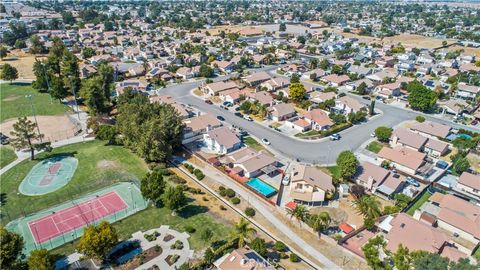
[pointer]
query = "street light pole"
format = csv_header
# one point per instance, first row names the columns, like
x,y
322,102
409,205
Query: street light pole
x,y
75,98
34,116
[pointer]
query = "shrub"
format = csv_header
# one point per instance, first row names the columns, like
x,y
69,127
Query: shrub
x,y
235,200
383,134
250,212
223,208
294,257
221,188
199,174
223,192
205,199
420,119
283,255
190,229
230,193
280,246
177,179
151,237
177,245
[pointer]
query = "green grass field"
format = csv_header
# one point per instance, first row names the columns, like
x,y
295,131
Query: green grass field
x,y
7,155
334,172
13,102
374,147
419,203
251,142
98,166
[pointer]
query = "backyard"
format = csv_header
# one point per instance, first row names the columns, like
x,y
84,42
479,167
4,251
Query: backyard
x,y
7,155
14,103
98,166
418,203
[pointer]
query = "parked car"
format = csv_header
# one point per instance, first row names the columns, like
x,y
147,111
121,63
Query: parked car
x,y
442,164
265,141
367,97
373,135
239,114
474,122
227,104
247,117
219,117
208,101
335,137
286,180
412,182
223,107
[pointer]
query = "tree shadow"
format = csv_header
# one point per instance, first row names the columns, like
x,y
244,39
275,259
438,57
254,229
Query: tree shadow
x,y
20,83
192,210
3,198
57,156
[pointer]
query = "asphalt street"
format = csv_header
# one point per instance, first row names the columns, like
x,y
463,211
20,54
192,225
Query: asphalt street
x,y
322,152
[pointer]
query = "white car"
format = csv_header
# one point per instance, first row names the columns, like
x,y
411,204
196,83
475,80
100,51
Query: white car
x,y
335,137
265,141
247,117
286,180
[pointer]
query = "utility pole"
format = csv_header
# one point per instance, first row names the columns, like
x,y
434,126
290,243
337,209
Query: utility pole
x,y
75,98
29,97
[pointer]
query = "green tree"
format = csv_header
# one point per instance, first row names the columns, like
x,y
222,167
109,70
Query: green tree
x,y
368,206
461,165
258,244
402,259
324,64
94,96
347,164
319,222
206,71
362,89
174,198
206,235
3,52
383,134
282,27
300,213
371,108
105,72
106,133
313,63
280,246
420,97
40,259
297,92
371,250
242,232
70,71
97,241
420,119
152,186
11,245
337,69
25,136
429,261
295,78
36,46
9,73
88,52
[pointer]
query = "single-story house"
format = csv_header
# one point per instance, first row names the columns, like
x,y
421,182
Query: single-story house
x,y
249,163
282,111
318,119
404,159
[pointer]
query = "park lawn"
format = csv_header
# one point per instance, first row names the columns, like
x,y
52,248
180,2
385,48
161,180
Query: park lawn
x,y
7,155
13,102
152,217
419,203
374,147
98,166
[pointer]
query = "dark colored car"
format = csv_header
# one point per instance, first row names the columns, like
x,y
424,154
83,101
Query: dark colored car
x,y
220,118
239,114
367,97
208,101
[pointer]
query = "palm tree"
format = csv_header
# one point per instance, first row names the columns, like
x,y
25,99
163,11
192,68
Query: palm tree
x,y
320,222
242,232
368,206
300,212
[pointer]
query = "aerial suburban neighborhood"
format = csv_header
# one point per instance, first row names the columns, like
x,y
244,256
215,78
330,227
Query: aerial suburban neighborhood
x,y
240,135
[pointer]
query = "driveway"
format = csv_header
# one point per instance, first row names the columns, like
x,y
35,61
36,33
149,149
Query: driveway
x,y
322,152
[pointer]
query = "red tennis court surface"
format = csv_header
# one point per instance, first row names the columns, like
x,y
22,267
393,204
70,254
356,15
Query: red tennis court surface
x,y
52,170
76,216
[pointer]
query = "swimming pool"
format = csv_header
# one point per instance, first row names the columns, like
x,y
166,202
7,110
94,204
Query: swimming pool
x,y
262,187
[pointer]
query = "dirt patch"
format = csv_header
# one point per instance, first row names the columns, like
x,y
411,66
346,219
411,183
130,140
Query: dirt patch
x,y
107,164
23,62
337,215
55,128
474,161
11,98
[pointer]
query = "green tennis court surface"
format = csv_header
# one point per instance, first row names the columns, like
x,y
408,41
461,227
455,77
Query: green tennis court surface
x,y
58,225
49,175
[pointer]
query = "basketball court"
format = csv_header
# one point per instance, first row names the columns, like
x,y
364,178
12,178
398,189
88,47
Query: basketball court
x,y
48,175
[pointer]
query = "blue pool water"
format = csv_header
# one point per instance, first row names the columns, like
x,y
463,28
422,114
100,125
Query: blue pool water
x,y
262,187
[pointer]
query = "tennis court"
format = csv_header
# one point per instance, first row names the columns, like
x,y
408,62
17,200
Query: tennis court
x,y
48,175
76,216
58,225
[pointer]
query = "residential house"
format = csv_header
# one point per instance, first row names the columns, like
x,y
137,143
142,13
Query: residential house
x,y
187,73
335,80
404,159
233,95
416,235
379,180
195,127
221,140
432,129
135,85
223,66
352,86
276,83
346,105
282,111
319,97
249,163
262,97
465,91
213,89
310,185
470,184
455,106
257,78
317,74
242,258
318,119
166,99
